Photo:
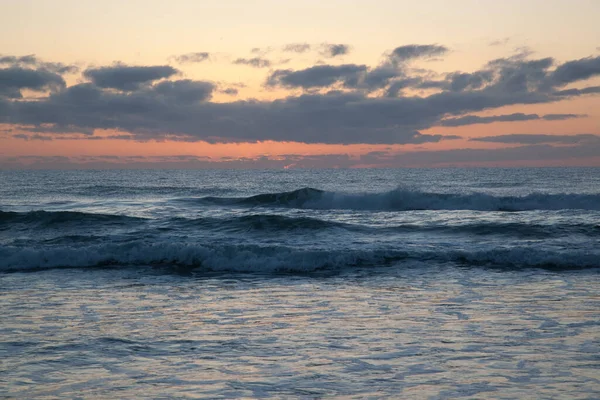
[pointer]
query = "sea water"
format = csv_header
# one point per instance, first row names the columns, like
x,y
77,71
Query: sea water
x,y
405,283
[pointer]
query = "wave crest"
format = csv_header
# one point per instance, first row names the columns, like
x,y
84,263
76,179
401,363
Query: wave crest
x,y
265,259
406,200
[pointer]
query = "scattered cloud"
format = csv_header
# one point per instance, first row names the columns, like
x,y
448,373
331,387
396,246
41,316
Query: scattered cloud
x,y
127,78
261,51
297,47
317,76
576,70
578,92
256,62
391,103
31,61
474,119
230,91
14,79
184,91
334,50
32,137
192,57
523,138
562,117
500,42
413,51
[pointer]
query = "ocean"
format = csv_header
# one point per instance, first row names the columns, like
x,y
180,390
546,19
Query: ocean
x,y
360,283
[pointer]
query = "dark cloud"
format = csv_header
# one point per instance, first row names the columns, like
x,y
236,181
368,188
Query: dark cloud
x,y
297,47
381,76
31,61
147,114
353,113
13,79
185,91
32,137
504,77
561,117
318,76
192,57
28,59
127,78
459,81
334,50
578,92
576,70
351,76
256,62
516,74
523,138
413,51
474,119
230,91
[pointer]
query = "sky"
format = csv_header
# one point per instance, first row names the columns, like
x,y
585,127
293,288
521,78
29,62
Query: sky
x,y
299,84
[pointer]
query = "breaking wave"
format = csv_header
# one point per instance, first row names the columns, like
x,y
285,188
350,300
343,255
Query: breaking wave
x,y
265,223
265,259
405,200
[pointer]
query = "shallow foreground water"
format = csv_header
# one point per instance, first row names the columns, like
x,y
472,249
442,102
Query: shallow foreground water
x,y
300,284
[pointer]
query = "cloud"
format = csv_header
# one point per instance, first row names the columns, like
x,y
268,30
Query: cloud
x,y
262,51
500,42
14,79
184,91
192,57
28,60
31,61
317,76
413,51
334,50
155,114
525,138
561,117
459,81
32,137
474,119
576,70
230,91
354,104
256,62
127,78
578,92
297,47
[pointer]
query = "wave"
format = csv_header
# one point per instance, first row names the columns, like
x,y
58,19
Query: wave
x,y
261,222
51,218
514,229
273,223
265,259
294,199
406,200
278,223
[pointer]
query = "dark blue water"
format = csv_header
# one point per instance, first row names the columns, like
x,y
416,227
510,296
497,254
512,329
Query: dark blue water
x,y
432,283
